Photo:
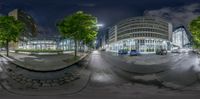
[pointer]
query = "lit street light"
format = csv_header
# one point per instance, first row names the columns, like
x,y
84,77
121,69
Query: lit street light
x,y
100,25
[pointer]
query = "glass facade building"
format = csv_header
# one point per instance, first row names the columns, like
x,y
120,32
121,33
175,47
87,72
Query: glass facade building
x,y
181,38
145,34
47,44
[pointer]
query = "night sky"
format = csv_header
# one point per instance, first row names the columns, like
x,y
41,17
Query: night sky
x,y
48,12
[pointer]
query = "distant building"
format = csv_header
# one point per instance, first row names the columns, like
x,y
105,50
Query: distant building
x,y
181,38
102,39
145,34
30,27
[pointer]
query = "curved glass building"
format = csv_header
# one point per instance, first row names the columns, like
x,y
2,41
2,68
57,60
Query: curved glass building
x,y
145,34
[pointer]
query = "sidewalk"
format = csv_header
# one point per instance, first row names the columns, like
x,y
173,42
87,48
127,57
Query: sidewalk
x,y
69,84
44,62
66,81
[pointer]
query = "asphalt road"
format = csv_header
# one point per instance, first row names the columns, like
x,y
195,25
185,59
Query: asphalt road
x,y
108,81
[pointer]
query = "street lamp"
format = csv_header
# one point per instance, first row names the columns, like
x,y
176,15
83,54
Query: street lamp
x,y
100,25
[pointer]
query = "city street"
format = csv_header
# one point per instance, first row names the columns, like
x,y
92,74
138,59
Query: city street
x,y
108,80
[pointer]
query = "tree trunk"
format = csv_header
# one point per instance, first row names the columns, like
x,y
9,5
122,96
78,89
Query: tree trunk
x,y
75,48
7,48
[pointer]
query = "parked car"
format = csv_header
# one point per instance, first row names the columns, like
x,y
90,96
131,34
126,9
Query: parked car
x,y
195,51
186,50
134,53
103,49
176,51
181,50
161,52
123,52
2,49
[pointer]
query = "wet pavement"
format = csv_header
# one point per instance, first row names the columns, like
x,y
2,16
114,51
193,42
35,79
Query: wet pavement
x,y
112,77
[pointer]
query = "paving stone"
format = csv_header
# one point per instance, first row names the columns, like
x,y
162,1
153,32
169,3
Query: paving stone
x,y
46,85
42,81
55,80
54,84
48,81
71,78
23,82
23,78
61,82
67,80
28,84
36,85
76,78
12,73
29,80
61,79
34,81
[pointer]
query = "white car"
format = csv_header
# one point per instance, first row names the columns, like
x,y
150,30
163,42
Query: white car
x,y
176,51
181,50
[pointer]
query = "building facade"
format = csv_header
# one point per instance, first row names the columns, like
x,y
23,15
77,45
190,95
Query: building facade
x,y
145,34
50,43
30,27
181,38
30,24
102,39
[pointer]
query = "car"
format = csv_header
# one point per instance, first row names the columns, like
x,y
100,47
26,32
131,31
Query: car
x,y
161,52
123,52
134,53
103,49
186,50
176,51
181,50
195,51
2,49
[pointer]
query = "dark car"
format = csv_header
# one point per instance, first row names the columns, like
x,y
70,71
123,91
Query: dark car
x,y
123,52
103,49
134,53
161,52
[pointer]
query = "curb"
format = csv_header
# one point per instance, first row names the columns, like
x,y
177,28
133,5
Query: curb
x,y
38,70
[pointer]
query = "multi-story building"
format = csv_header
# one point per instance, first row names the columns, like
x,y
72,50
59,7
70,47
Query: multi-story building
x,y
102,39
145,34
30,27
181,38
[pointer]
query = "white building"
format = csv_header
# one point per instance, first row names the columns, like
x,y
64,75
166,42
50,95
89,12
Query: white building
x,y
180,38
145,34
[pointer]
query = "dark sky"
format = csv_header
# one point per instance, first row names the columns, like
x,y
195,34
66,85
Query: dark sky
x,y
108,12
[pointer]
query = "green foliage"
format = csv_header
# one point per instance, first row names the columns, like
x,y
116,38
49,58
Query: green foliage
x,y
2,44
195,29
10,28
79,26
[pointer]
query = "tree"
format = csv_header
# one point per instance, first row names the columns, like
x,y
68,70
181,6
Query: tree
x,y
79,27
10,29
194,27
